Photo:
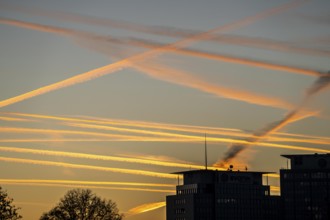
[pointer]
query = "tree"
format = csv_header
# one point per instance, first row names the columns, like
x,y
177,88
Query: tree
x,y
7,210
82,204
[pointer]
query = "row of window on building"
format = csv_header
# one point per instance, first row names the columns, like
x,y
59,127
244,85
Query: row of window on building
x,y
186,191
317,175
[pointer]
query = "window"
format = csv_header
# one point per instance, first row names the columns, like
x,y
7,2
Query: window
x,y
180,211
180,201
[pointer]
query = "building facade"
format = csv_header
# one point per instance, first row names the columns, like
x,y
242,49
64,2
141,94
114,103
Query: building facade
x,y
305,188
222,195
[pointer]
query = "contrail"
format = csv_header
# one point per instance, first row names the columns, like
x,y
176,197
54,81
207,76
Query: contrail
x,y
149,29
173,127
274,139
235,149
88,167
165,31
269,45
111,68
185,79
36,140
145,208
193,137
215,140
99,157
84,133
13,119
154,45
292,147
188,138
145,139
67,82
229,59
179,137
38,27
130,130
174,138
303,136
132,123
321,84
182,78
86,182
90,187
116,137
297,140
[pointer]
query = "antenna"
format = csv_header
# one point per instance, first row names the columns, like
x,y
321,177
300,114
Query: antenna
x,y
205,153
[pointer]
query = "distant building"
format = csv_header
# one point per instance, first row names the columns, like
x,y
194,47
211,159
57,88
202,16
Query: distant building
x,y
305,188
222,195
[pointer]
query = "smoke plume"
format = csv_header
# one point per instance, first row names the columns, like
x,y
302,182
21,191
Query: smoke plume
x,y
320,84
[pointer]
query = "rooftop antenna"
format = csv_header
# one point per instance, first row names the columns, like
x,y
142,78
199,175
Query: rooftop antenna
x,y
205,153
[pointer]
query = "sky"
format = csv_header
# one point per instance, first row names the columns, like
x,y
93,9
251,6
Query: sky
x,y
117,95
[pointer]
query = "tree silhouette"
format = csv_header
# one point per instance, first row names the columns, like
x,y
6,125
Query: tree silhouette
x,y
7,210
82,204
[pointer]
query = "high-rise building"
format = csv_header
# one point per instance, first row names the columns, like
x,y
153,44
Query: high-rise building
x,y
305,188
222,195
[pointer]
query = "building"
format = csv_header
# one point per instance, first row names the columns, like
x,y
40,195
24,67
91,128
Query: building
x,y
222,195
305,188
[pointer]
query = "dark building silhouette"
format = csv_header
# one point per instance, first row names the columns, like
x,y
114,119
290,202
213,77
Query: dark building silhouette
x,y
222,195
305,188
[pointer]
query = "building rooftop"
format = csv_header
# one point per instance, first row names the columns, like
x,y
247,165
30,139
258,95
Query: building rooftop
x,y
221,171
290,156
